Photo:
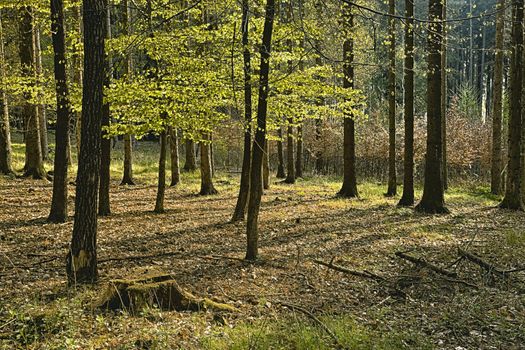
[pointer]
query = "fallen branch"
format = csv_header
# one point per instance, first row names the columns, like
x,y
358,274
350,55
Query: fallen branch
x,y
423,263
490,268
364,274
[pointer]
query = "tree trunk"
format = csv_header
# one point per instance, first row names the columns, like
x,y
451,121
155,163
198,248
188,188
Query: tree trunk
x,y
34,166
349,188
78,76
161,186
290,153
280,155
82,257
433,200
497,104
191,163
444,97
41,108
207,187
244,187
319,159
59,202
104,208
299,159
392,178
266,166
174,153
6,167
254,201
513,199
407,199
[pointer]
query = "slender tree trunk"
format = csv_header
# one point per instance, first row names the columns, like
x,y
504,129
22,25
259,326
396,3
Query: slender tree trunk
x,y
392,177
174,153
513,199
290,154
41,107
254,201
34,163
82,257
161,186
280,155
407,199
299,159
266,166
207,187
433,200
497,104
444,96
319,158
78,76
104,208
349,188
191,163
244,188
6,167
59,202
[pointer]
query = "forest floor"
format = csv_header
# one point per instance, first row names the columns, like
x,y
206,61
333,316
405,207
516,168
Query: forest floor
x,y
285,300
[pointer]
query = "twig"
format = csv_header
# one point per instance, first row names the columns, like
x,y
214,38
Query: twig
x,y
422,262
364,274
490,268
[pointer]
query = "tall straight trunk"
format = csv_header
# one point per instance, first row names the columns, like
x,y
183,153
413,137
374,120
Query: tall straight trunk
x,y
290,154
444,96
299,159
82,257
5,130
471,47
349,188
207,187
104,208
497,103
41,107
191,162
513,199
161,184
127,177
78,75
254,202
174,156
319,159
34,166
280,155
266,166
433,200
392,178
244,187
59,202
407,199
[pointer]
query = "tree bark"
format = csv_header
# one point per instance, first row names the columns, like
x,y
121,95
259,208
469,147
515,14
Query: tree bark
x,y
59,201
191,163
78,76
497,103
41,107
82,258
407,199
319,157
161,185
433,200
512,198
444,97
174,156
207,187
266,166
392,177
290,154
244,187
6,167
299,159
280,155
254,201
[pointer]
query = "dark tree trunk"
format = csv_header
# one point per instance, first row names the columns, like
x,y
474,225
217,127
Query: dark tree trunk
x,y
444,97
349,188
174,156
299,159
290,154
6,167
407,199
392,178
244,188
207,187
104,208
78,75
513,199
82,257
319,159
280,155
266,166
497,104
433,200
34,166
254,201
59,202
191,163
161,185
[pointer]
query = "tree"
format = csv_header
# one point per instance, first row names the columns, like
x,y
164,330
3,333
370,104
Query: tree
x,y
407,199
433,200
40,107
207,187
191,163
392,180
254,201
290,151
349,188
5,130
81,264
512,198
174,156
299,159
444,97
161,185
497,102
266,166
244,187
280,155
59,202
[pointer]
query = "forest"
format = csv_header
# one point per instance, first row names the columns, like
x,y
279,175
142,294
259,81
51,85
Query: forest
x,y
262,174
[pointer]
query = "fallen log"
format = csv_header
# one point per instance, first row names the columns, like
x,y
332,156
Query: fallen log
x,y
490,268
423,263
